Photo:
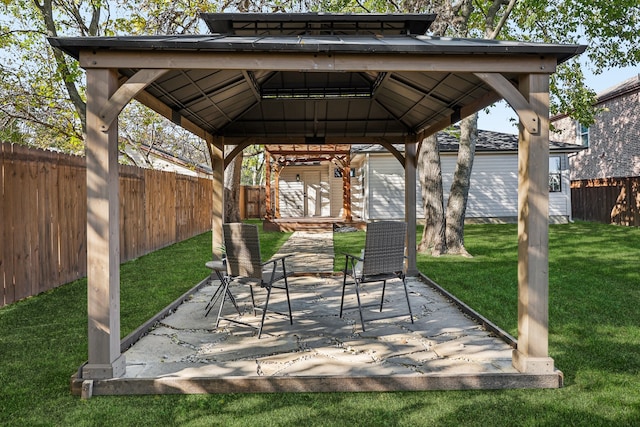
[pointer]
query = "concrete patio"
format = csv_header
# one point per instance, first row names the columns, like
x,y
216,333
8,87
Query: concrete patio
x,y
444,348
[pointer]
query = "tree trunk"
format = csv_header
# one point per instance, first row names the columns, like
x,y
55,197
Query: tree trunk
x,y
232,189
457,203
433,236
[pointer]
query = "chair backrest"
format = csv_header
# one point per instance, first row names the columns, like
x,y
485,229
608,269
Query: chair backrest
x,y
242,249
384,247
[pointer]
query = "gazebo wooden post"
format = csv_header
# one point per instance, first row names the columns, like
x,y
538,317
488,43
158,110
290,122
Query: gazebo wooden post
x,y
346,188
216,151
410,203
103,232
532,354
267,184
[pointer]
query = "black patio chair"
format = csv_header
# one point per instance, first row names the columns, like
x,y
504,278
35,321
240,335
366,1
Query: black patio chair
x,y
382,260
244,265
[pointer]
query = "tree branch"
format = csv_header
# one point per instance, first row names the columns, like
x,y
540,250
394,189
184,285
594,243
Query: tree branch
x,y
46,8
503,20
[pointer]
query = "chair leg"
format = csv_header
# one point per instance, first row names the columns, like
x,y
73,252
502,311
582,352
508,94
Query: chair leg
x,y
359,305
214,298
344,285
264,311
384,285
224,298
233,299
253,301
286,288
406,294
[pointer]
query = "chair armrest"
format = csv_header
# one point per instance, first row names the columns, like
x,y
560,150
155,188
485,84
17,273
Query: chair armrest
x,y
359,258
275,274
356,264
276,259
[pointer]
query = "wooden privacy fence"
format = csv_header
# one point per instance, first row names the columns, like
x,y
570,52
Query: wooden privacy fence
x,y
43,222
252,202
607,200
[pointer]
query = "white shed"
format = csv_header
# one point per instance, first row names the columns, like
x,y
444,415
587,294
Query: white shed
x,y
377,182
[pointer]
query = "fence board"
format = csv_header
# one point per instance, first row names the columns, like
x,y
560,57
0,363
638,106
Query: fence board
x,y
41,253
73,238
183,206
43,201
8,257
21,199
252,201
132,213
607,200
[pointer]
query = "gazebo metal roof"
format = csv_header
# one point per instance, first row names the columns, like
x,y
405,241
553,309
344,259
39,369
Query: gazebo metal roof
x,y
386,99
317,23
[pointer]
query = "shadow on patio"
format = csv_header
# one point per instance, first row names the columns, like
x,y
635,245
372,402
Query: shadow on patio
x,y
444,349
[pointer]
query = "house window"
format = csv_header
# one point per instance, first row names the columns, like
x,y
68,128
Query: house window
x,y
583,134
555,175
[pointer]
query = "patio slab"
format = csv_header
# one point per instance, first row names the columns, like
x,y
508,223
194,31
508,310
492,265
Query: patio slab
x,y
443,349
448,346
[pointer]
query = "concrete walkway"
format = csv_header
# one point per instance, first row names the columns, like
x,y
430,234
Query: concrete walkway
x,y
443,349
313,252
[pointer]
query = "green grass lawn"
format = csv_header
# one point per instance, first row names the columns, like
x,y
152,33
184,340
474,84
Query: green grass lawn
x,y
594,339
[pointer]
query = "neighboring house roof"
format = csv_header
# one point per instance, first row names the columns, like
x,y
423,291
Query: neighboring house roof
x,y
488,141
628,86
624,88
171,161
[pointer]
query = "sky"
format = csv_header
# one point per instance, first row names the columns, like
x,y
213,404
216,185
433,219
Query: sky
x,y
498,117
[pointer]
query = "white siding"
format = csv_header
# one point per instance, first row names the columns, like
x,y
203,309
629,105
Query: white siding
x,y
493,192
385,196
292,197
357,195
494,185
336,210
560,203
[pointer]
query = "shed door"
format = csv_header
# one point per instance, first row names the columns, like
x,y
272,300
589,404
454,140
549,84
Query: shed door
x,y
312,194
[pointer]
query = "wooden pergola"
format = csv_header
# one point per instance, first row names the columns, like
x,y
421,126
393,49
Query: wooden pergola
x,y
293,79
279,156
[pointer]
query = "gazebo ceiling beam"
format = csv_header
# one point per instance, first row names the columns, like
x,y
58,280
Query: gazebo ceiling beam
x,y
430,94
303,159
315,154
405,125
292,140
253,84
207,96
480,103
164,110
334,61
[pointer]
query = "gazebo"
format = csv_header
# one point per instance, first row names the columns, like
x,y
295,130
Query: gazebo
x,y
278,79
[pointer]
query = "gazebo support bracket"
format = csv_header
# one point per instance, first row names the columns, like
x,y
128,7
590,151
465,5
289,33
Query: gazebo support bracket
x,y
125,93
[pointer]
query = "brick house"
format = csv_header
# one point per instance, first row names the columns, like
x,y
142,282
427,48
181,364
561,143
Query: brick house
x,y
613,141
605,176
